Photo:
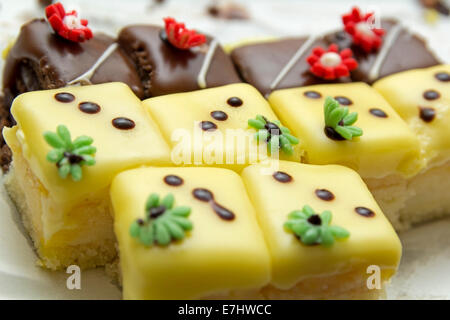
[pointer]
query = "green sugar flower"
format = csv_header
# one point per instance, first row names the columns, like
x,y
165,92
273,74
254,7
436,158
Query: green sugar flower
x,y
312,228
276,135
338,121
69,156
163,223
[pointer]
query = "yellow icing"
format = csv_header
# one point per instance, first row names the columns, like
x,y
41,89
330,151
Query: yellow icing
x,y
217,256
387,146
404,91
117,150
372,240
182,112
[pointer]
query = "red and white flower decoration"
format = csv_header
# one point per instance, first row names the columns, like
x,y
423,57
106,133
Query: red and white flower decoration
x,y
181,37
67,24
361,28
331,64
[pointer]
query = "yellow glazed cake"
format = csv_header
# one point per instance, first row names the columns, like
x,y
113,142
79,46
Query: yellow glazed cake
x,y
232,246
389,155
422,98
211,126
69,221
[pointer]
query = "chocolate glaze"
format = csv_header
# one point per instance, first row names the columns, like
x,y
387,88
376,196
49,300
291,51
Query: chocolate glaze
x,y
442,76
205,195
235,102
173,180
396,60
324,194
431,95
427,114
312,94
259,64
219,115
89,107
378,113
64,97
365,212
123,123
40,59
282,177
164,69
343,100
208,126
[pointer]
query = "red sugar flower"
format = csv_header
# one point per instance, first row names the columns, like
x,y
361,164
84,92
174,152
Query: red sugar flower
x,y
362,30
67,24
331,64
181,37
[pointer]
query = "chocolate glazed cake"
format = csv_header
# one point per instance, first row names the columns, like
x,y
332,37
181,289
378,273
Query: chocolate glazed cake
x,y
165,69
282,64
40,59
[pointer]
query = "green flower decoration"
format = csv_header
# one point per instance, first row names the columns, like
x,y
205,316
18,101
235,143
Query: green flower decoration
x,y
312,228
69,156
274,133
163,223
338,121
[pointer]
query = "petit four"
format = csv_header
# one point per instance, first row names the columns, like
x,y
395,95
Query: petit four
x,y
222,254
170,64
422,98
67,146
217,127
379,51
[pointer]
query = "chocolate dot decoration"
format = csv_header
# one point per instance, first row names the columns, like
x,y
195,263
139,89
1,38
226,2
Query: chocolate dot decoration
x,y
365,212
173,180
205,195
208,126
431,95
312,94
378,113
324,194
343,100
64,97
442,76
427,114
89,107
282,177
219,115
235,102
123,123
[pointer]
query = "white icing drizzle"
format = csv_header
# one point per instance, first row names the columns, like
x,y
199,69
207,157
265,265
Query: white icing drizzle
x,y
85,78
298,54
201,79
387,45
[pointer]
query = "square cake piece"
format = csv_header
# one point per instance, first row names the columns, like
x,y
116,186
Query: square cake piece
x,y
40,59
422,98
187,233
280,64
386,145
60,181
211,127
166,69
325,232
